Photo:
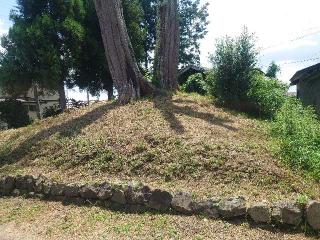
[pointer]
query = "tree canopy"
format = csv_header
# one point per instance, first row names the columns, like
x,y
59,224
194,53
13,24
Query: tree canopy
x,y
40,44
58,42
273,70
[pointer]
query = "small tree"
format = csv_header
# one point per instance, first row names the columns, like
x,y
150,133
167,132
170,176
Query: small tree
x,y
273,70
233,64
268,94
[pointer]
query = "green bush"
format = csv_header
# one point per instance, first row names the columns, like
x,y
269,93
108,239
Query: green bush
x,y
14,114
297,131
233,64
195,83
211,83
268,94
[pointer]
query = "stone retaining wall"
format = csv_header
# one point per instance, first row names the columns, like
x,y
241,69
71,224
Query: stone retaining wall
x,y
281,213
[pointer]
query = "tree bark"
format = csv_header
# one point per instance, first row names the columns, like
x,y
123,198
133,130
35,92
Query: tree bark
x,y
37,100
168,41
110,93
124,70
62,96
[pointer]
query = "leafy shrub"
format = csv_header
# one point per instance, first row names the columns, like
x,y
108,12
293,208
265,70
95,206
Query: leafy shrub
x,y
51,111
268,94
233,64
195,83
211,83
297,131
14,114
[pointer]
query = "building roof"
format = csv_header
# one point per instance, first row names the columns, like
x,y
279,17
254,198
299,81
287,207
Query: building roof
x,y
193,68
306,74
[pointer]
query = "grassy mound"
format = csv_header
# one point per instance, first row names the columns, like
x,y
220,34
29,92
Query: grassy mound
x,y
183,142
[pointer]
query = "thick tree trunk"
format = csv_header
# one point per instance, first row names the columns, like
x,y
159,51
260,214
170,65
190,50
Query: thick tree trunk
x,y
124,70
62,96
110,92
168,41
88,97
37,100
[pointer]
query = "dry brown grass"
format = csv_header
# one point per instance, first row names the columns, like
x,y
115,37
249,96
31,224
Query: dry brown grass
x,y
183,142
34,220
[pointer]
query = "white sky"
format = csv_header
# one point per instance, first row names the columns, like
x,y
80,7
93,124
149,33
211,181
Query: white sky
x,y
275,23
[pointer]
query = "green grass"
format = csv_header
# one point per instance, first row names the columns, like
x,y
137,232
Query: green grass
x,y
296,132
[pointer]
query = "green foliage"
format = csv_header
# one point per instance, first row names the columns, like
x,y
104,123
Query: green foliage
x,y
303,199
150,24
193,28
134,16
195,83
211,83
91,70
14,114
297,131
268,94
233,64
273,70
39,44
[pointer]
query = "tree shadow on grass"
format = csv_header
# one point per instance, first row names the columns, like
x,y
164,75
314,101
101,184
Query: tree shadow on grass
x,y
69,128
169,111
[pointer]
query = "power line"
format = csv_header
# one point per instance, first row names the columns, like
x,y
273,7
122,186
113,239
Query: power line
x,y
292,40
313,58
301,61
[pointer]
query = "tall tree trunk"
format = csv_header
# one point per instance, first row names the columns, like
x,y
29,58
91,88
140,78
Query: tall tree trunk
x,y
62,96
124,70
37,100
88,97
110,92
168,41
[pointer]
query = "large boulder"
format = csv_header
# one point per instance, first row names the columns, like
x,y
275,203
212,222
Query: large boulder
x,y
38,184
260,213
7,185
160,200
118,197
209,208
313,215
232,207
46,187
182,202
89,192
25,183
72,191
57,190
288,213
137,195
105,192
